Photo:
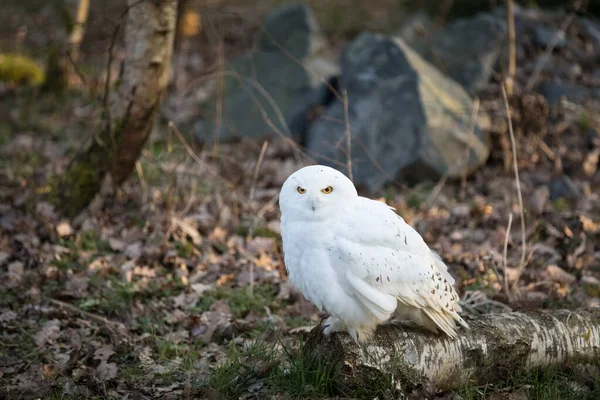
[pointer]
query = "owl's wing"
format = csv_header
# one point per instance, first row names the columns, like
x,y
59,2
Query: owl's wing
x,y
378,224
390,267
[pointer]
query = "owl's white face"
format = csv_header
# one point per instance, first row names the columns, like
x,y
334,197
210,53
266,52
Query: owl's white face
x,y
315,192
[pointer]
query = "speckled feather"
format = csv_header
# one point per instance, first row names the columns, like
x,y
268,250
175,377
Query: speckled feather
x,y
359,260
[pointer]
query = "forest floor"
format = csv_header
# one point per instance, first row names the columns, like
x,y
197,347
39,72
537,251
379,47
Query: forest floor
x,y
174,285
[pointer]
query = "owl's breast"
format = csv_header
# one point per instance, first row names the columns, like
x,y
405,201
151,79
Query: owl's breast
x,y
307,256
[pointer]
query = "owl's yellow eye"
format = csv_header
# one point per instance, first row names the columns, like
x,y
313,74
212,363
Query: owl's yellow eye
x,y
327,190
301,190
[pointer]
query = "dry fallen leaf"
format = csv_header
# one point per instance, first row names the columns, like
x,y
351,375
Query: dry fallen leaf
x,y
559,275
106,371
64,229
48,333
134,250
589,226
104,353
116,244
77,286
8,316
223,279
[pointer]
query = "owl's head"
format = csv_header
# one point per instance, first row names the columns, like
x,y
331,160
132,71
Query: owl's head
x,y
315,192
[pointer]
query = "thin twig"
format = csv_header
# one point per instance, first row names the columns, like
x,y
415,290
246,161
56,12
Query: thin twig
x,y
518,184
474,113
196,158
348,136
140,173
512,62
261,155
505,258
112,325
543,60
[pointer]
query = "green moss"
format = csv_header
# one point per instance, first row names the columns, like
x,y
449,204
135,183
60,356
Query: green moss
x,y
21,70
266,232
591,290
90,241
74,190
5,133
585,122
561,204
184,249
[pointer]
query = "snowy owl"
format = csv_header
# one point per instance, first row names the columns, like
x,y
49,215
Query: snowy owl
x,y
359,260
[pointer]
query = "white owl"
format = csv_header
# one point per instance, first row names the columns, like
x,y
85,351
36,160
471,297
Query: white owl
x,y
357,259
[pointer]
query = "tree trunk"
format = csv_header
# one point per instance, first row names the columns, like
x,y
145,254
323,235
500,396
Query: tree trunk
x,y
496,347
132,105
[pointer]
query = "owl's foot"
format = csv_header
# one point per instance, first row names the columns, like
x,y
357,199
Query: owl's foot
x,y
331,325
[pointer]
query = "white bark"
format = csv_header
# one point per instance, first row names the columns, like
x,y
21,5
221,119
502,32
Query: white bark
x,y
497,346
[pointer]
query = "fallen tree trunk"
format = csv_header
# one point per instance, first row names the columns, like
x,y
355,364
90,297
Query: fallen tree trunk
x,y
497,346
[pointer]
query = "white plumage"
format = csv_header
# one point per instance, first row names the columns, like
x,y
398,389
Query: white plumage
x,y
359,260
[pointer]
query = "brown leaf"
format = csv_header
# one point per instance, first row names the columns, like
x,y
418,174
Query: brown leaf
x,y
104,353
3,257
178,336
116,244
559,275
589,226
590,164
8,316
539,199
200,287
134,250
48,333
46,210
48,371
106,371
64,229
223,279
77,286
15,271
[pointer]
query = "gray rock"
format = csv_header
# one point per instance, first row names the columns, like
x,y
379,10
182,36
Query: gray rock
x,y
468,49
563,187
415,31
545,37
271,83
408,121
555,91
592,29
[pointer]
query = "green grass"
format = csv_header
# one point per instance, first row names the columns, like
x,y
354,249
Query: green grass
x,y
278,370
254,361
542,384
240,300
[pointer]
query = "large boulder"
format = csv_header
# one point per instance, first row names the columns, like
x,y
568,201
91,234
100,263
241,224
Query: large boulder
x,y
468,49
408,121
272,83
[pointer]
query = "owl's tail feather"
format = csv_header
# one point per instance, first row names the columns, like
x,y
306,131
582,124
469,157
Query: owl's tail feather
x,y
432,319
442,320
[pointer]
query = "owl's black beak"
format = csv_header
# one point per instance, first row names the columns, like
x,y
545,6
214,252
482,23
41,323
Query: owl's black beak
x,y
312,203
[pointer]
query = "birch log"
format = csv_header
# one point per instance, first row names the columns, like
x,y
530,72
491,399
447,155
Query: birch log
x,y
496,347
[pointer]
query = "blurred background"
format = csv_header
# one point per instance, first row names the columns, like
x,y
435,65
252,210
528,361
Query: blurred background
x,y
143,145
